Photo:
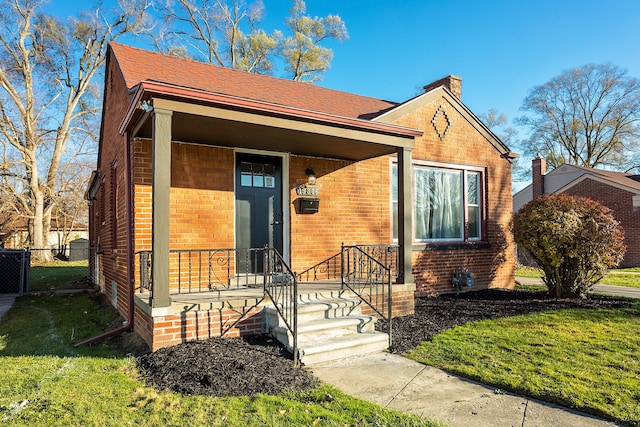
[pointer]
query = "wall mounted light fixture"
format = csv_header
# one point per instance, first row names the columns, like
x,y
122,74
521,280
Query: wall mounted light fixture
x,y
311,176
308,202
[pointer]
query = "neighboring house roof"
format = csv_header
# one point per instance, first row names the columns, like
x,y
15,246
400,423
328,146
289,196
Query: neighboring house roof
x,y
628,180
138,65
566,176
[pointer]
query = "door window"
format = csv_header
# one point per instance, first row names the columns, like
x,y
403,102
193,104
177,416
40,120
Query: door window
x,y
257,175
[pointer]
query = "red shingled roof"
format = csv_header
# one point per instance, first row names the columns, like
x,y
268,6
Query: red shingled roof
x,y
138,65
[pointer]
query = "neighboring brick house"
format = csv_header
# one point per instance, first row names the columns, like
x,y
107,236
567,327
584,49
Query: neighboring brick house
x,y
194,156
619,191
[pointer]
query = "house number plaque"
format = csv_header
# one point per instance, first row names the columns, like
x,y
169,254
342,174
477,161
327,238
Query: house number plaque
x,y
304,190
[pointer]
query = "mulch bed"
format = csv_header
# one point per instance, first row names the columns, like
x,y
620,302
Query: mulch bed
x,y
225,367
259,364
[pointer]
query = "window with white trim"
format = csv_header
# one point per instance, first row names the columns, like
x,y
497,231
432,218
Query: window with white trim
x,y
447,203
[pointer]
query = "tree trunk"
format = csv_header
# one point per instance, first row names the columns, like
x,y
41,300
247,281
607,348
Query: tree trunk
x,y
39,234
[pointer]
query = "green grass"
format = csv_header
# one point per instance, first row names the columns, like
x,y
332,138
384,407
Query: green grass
x,y
44,380
579,358
528,272
629,277
58,275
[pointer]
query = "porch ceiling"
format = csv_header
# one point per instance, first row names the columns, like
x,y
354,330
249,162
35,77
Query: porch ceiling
x,y
279,130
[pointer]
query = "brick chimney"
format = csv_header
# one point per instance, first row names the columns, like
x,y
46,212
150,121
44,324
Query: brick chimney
x,y
538,170
451,82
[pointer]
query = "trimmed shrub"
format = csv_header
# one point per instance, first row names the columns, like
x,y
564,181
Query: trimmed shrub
x,y
574,240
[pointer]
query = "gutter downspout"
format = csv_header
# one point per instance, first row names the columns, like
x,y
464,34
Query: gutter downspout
x,y
129,223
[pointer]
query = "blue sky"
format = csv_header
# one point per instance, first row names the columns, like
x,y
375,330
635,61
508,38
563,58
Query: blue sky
x,y
500,49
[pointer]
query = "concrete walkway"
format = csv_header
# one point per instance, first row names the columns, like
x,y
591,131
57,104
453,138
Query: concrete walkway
x,y
395,382
6,302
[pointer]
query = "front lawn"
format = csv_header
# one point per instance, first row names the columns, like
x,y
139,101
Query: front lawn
x,y
44,380
586,359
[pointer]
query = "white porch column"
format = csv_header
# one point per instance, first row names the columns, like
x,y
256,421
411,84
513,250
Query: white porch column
x,y
161,186
405,215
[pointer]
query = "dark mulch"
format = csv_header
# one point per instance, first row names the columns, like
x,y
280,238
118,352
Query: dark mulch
x,y
244,367
225,367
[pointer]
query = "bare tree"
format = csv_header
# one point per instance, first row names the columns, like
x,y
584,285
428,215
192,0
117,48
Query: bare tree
x,y
306,59
228,34
70,210
48,92
586,116
499,125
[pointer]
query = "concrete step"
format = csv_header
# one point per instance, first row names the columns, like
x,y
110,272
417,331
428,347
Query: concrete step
x,y
329,328
313,309
328,308
325,329
343,347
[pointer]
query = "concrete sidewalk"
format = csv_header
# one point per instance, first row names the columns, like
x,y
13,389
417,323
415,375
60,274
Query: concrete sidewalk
x,y
395,382
6,302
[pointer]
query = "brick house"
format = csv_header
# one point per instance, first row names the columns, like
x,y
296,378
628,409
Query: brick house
x,y
206,175
619,191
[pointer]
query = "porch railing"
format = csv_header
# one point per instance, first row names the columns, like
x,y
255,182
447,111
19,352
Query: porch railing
x,y
370,280
387,255
331,268
206,270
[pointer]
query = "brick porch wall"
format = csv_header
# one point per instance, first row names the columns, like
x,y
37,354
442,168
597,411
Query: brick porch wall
x,y
403,303
171,329
201,200
355,203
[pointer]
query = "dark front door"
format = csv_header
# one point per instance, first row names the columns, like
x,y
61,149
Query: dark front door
x,y
258,208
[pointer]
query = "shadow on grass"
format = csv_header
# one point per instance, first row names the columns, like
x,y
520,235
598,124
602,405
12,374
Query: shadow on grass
x,y
49,325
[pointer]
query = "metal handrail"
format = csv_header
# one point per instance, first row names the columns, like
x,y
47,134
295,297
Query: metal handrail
x,y
370,280
328,269
331,268
385,254
281,285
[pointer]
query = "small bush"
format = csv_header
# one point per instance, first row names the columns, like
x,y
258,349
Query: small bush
x,y
574,240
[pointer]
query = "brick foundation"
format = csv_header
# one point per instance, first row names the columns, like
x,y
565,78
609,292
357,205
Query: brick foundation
x,y
168,329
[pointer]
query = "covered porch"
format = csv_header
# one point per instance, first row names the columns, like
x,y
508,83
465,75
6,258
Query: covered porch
x,y
166,115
